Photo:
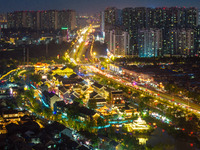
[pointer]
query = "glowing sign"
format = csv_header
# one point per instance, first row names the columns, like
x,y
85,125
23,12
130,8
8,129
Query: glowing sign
x,y
64,28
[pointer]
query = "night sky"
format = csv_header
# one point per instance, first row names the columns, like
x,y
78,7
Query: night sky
x,y
89,6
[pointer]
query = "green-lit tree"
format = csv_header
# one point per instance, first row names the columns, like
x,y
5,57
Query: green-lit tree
x,y
78,100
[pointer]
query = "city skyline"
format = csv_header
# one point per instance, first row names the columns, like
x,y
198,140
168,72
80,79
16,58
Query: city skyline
x,y
91,6
106,75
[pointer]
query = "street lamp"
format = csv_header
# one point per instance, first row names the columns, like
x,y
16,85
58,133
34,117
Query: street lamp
x,y
66,55
94,53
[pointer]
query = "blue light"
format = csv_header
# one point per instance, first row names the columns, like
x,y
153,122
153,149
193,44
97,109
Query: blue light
x,y
40,97
102,127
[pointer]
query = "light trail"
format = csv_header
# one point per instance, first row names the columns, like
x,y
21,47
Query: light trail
x,y
150,92
8,73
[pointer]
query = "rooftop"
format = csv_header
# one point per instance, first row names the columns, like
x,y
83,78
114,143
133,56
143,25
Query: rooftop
x,y
117,92
97,85
48,94
93,94
73,76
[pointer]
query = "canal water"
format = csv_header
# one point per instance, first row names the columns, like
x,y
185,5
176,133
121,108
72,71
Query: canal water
x,y
161,140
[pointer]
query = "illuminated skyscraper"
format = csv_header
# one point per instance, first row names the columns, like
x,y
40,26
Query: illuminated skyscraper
x,y
180,42
67,18
150,42
199,17
24,19
197,41
162,18
113,16
72,19
49,20
3,21
191,17
128,19
11,20
63,19
118,42
42,20
102,22
0,32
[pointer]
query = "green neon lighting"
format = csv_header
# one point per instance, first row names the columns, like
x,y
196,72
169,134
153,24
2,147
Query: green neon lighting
x,y
64,28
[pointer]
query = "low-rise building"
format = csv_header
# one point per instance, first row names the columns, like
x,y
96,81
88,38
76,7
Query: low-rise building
x,y
103,110
13,115
63,71
100,89
63,91
41,67
50,98
117,98
97,98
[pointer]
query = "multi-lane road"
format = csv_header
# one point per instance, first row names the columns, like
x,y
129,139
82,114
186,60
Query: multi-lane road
x,y
194,108
81,52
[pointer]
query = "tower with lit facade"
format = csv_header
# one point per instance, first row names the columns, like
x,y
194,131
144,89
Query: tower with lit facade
x,y
181,42
113,16
42,20
118,42
49,20
150,42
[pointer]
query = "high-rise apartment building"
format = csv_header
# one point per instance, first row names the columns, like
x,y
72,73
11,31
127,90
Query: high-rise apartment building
x,y
199,17
23,19
49,20
173,17
72,19
113,16
102,21
181,42
191,17
42,20
0,33
163,18
118,42
128,19
3,21
150,42
102,24
63,19
67,18
197,41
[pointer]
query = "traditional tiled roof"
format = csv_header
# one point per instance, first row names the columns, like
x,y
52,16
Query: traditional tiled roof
x,y
73,76
117,92
62,89
97,85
